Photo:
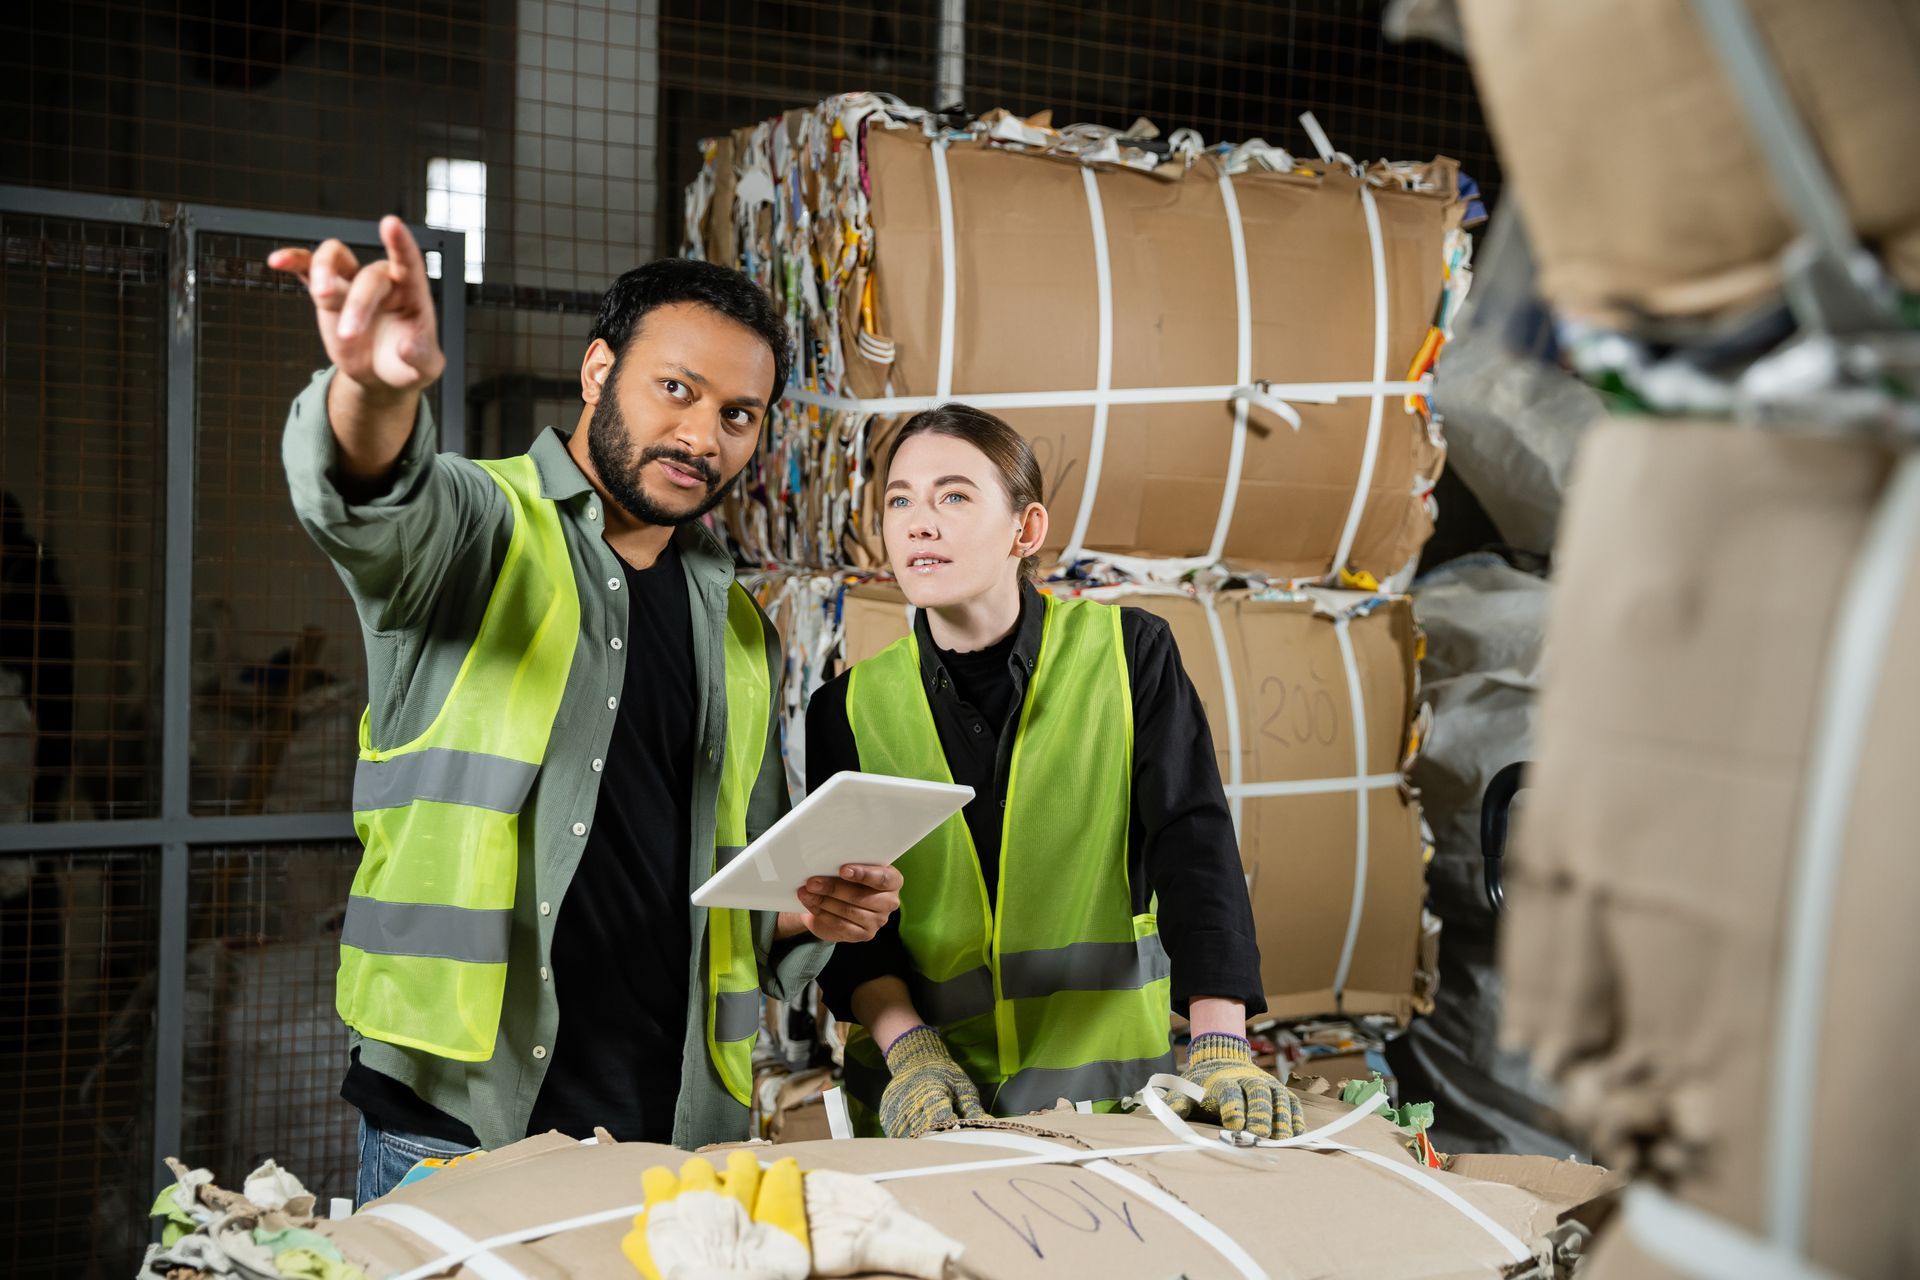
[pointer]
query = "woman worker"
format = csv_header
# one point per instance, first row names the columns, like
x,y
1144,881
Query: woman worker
x,y
1094,885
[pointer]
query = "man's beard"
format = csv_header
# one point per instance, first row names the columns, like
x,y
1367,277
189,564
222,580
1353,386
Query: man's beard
x,y
619,466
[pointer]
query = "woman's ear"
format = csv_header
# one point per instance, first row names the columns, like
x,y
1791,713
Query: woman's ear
x,y
595,368
1031,532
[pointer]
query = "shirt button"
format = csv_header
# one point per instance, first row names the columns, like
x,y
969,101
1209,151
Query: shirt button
x,y
615,642
598,765
612,703
543,973
546,908
539,1051
593,513
976,728
613,584
579,828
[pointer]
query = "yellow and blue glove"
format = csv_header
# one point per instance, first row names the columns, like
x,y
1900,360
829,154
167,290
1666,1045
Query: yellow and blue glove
x,y
929,1090
1238,1093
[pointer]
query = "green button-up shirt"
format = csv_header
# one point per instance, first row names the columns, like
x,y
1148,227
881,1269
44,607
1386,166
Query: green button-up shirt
x,y
420,561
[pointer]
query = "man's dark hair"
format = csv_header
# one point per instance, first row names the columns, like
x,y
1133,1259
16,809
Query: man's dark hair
x,y
669,280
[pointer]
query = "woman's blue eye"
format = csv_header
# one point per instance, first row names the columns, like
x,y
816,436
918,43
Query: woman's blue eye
x,y
961,496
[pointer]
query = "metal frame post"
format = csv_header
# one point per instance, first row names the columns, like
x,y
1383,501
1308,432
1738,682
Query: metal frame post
x,y
176,691
951,67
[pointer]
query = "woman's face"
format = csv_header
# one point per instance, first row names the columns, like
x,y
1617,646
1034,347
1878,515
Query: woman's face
x,y
951,532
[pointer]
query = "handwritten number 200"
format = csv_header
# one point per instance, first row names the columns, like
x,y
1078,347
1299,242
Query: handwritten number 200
x,y
1313,717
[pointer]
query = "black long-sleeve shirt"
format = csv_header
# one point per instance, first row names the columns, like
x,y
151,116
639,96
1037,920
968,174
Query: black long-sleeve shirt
x,y
1180,839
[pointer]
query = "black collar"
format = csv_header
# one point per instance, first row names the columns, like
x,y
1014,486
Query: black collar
x,y
1026,643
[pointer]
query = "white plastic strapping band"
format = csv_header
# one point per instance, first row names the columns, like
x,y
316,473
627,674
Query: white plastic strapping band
x,y
461,1248
1377,404
839,1123
1322,144
1703,1247
1857,656
949,274
1302,392
1356,701
477,1255
1232,698
1103,364
1321,1140
1150,1098
1315,786
1242,368
1216,1239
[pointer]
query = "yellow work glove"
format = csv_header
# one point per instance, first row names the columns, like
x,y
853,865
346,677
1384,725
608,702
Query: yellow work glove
x,y
1237,1092
929,1090
747,1224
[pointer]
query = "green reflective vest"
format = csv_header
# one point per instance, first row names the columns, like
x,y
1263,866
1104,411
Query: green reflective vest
x,y
424,945
1055,989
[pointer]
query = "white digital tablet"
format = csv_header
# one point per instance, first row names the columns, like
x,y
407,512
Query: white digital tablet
x,y
854,817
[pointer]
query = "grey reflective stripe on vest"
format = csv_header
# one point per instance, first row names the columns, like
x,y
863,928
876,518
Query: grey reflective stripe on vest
x,y
446,775
956,999
736,1014
1038,1088
428,929
1080,966
1084,966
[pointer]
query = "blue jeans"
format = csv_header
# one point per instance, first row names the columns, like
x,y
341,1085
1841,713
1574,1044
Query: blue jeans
x,y
386,1157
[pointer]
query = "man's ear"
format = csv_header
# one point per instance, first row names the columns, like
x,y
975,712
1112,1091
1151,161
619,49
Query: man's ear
x,y
596,370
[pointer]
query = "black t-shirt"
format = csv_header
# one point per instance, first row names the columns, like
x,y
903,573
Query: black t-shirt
x,y
987,698
623,941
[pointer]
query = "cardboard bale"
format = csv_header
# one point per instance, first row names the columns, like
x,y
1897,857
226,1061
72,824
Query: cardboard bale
x,y
1028,318
1645,190
1299,1213
1297,728
1700,572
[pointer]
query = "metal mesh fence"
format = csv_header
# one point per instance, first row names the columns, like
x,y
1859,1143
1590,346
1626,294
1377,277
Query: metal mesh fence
x,y
1233,69
77,940
82,416
278,677
265,1054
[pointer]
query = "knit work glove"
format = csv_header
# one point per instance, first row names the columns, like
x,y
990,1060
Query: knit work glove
x,y
745,1224
928,1090
755,1224
1240,1094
